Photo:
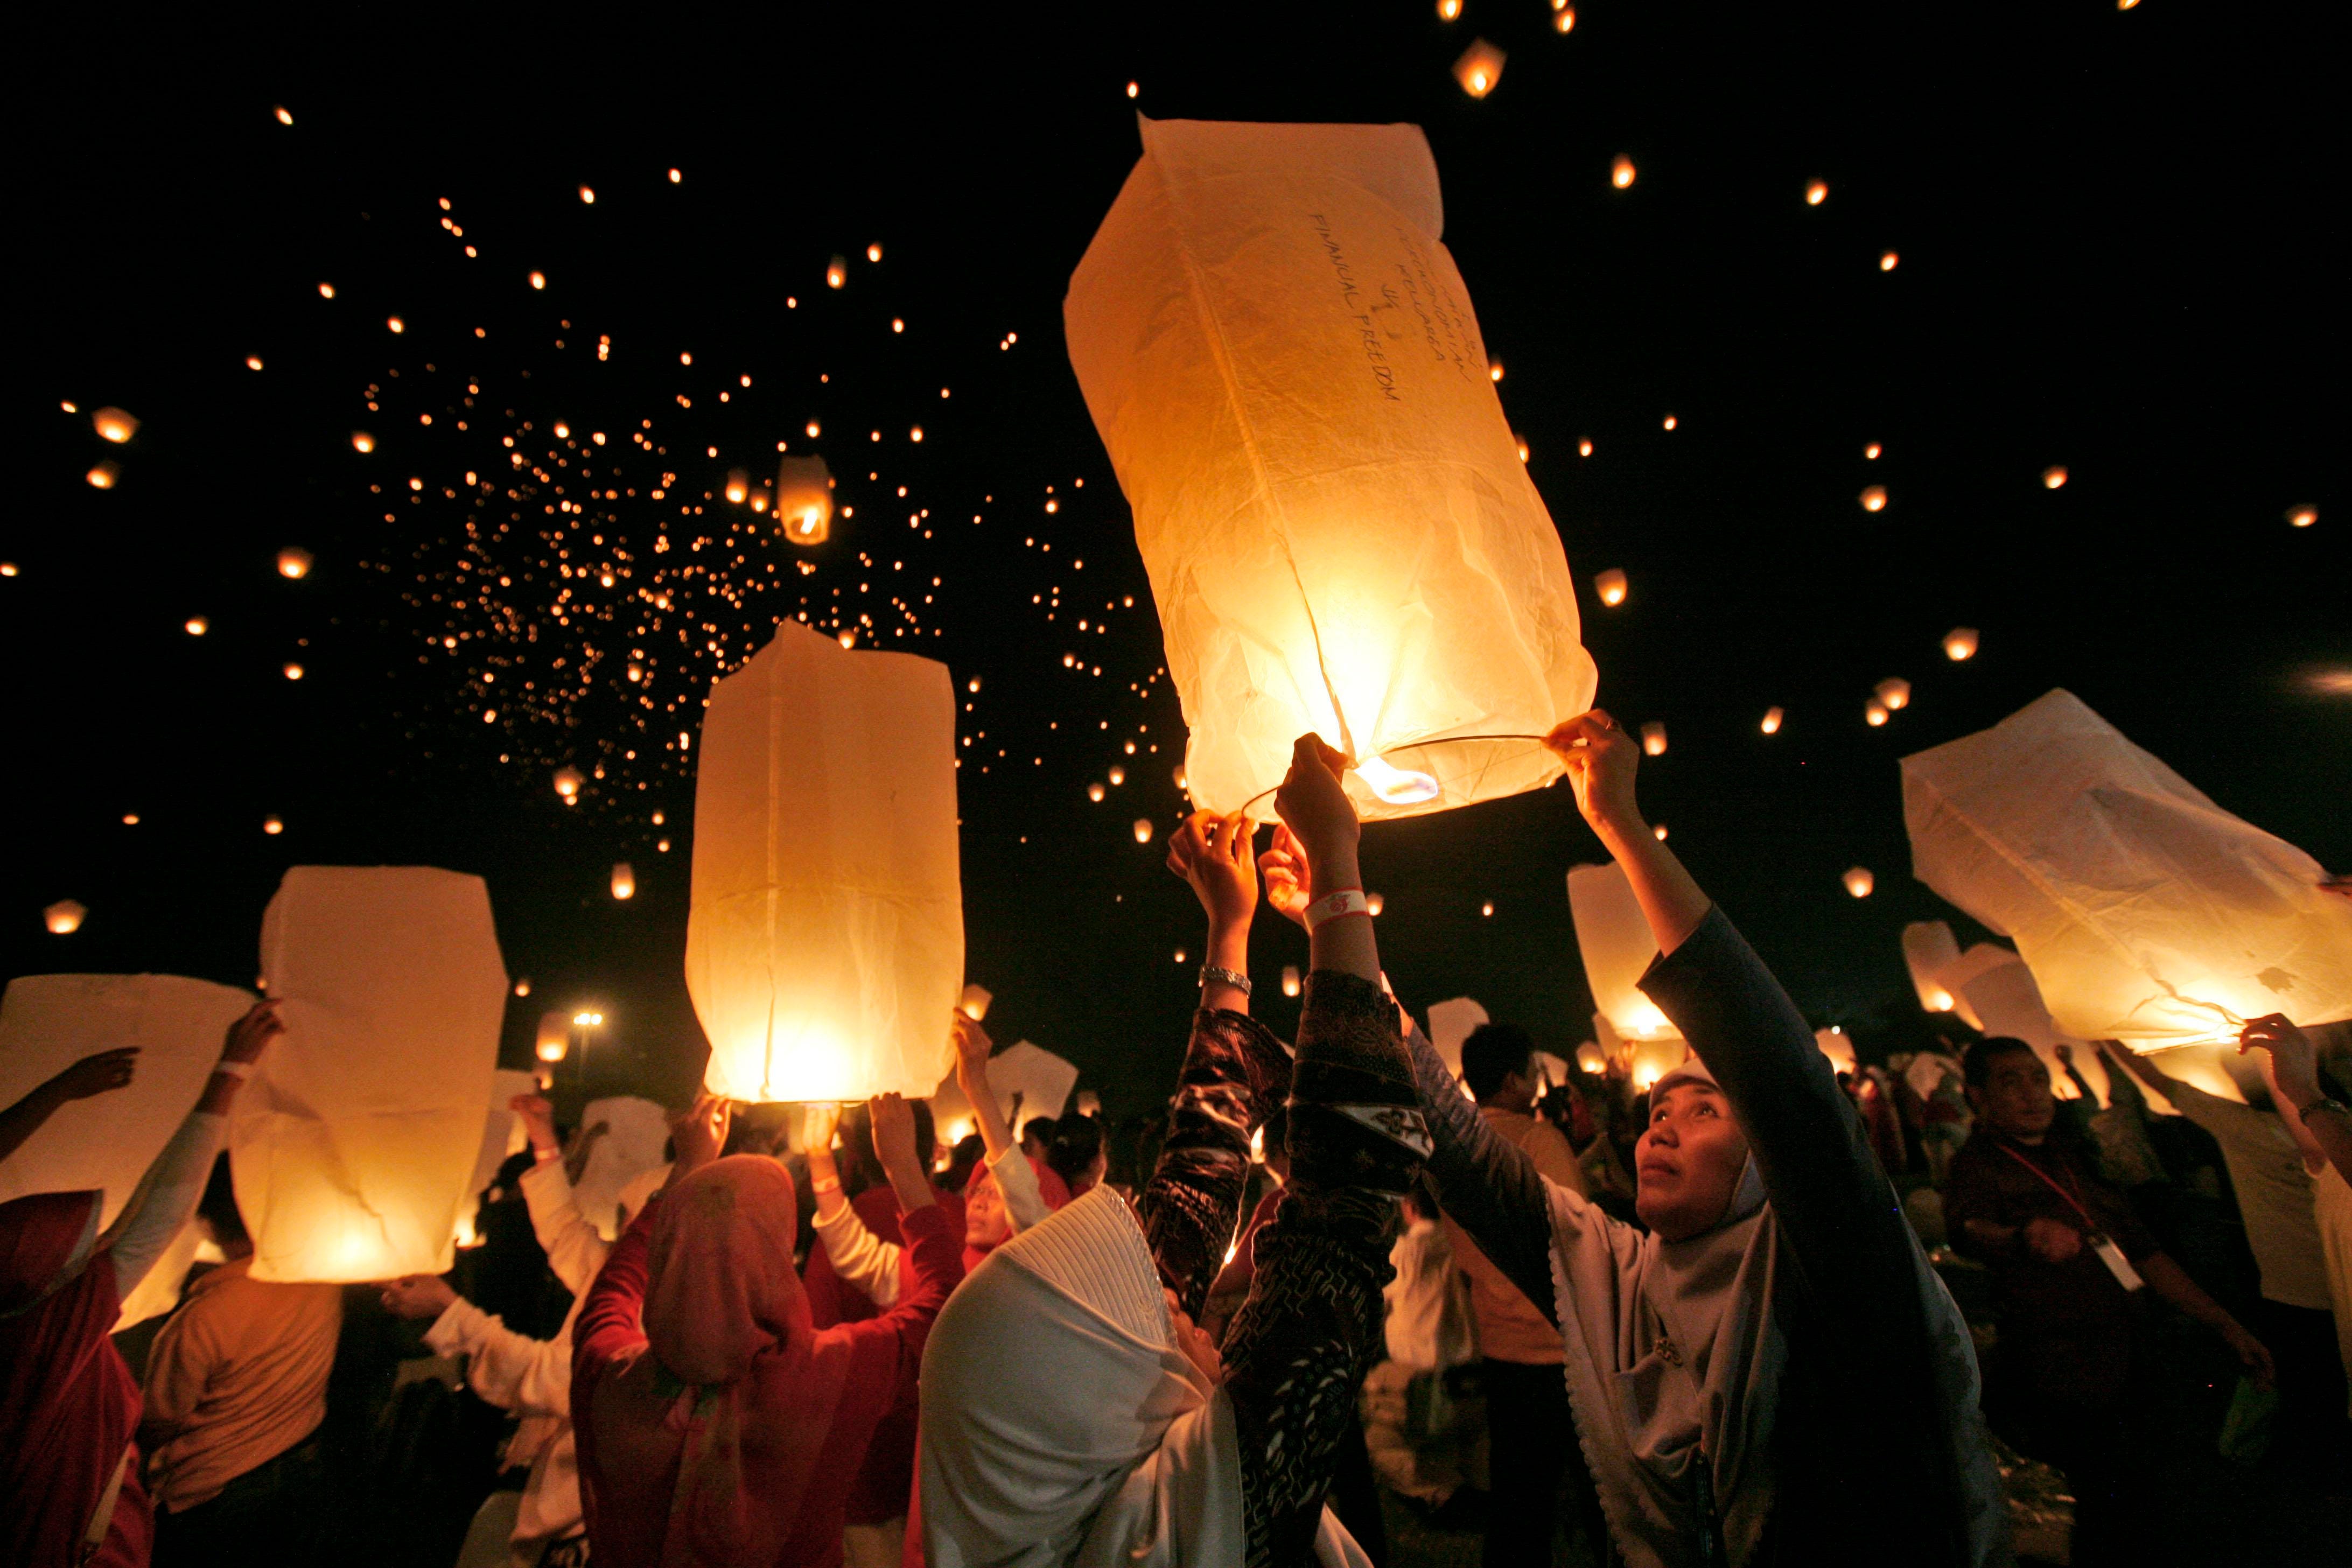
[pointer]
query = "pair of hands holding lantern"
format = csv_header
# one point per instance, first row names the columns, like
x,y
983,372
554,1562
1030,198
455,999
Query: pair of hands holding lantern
x,y
892,1121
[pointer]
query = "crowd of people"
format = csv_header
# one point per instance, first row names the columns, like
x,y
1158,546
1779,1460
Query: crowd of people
x,y
1716,1318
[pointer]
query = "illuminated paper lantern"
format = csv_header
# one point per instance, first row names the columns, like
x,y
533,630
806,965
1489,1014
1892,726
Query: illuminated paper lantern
x,y
554,1034
1834,1045
1873,713
1589,1058
1283,363
102,476
1614,940
625,880
1960,644
636,1132
503,1137
1859,881
1927,951
1771,725
1621,172
1450,1024
1610,586
114,425
1373,904
1816,193
825,938
2053,478
353,1142
1479,68
567,783
837,272
1143,830
1553,1069
739,486
1290,980
2147,913
1041,1080
2302,516
975,1002
64,918
293,561
804,499
1895,694
1653,738
167,1277
48,1022
1873,499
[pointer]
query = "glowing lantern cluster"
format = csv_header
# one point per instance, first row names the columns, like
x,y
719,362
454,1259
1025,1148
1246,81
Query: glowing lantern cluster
x,y
2147,913
1252,417
63,918
294,563
353,1142
1610,586
825,937
804,499
1479,68
1858,881
625,880
1960,644
114,425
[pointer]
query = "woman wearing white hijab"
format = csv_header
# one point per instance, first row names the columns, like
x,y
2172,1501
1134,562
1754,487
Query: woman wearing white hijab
x,y
1072,1414
1771,1372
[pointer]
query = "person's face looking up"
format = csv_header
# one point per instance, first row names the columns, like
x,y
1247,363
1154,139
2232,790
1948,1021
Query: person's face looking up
x,y
1687,1164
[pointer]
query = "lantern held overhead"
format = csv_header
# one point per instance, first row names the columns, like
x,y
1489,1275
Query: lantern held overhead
x,y
1326,496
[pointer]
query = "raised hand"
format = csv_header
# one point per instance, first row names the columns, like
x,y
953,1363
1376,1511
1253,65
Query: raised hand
x,y
418,1296
972,1048
100,1073
1212,854
699,1134
1286,873
537,1116
1315,806
893,1120
2294,1063
1600,760
251,1034
819,1123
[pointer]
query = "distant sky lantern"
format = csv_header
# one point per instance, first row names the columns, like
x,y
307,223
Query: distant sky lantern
x,y
1584,447
522,986
625,880
1094,792
1118,775
539,280
974,1001
293,671
1374,903
1143,830
554,1034
739,486
1817,192
1771,720
1447,10
2146,914
1929,950
847,639
1563,16
395,324
2053,477
587,196
1872,451
1859,881
2302,516
1487,909
293,561
326,290
1521,443
101,476
1610,586
1589,1058
284,115
1886,262
1874,498
873,251
1670,421
1895,693
63,918
1873,713
196,626
804,499
273,825
1133,89
567,783
1621,172
1290,980
836,273
825,942
362,442
1653,738
1479,68
1837,1045
1960,643
1494,370
1178,774
114,425
1250,416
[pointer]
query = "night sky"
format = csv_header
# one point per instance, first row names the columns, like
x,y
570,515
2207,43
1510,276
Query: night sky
x,y
2110,234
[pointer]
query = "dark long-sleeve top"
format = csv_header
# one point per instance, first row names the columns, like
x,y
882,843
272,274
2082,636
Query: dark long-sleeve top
x,y
1867,1445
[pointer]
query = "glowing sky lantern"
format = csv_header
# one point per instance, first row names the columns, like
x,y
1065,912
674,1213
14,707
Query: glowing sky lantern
x,y
2147,913
1621,172
568,781
539,280
1929,950
1315,393
114,425
837,272
2302,516
804,500
739,486
625,880
354,1139
1858,881
825,943
293,561
1590,1058
1873,713
1615,942
1118,775
1960,643
1143,830
554,1041
1886,262
1837,1045
1610,586
974,1002
1447,10
1290,980
1563,16
1895,693
362,442
1874,498
63,918
1816,193
2053,478
1094,792
1653,738
102,476
1771,725
1374,903
1479,68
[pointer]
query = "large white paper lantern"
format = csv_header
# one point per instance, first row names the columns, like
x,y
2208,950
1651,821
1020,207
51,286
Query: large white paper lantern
x,y
1283,363
1042,1081
2005,999
1928,950
635,1133
48,1022
2149,915
1615,942
353,1142
825,942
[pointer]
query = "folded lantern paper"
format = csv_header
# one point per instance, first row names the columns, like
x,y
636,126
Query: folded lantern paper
x,y
353,1142
48,1022
824,944
1341,536
1614,936
2147,913
636,1132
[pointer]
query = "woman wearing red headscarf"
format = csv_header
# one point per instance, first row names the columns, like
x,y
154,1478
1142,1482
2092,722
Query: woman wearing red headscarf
x,y
69,1486
716,1423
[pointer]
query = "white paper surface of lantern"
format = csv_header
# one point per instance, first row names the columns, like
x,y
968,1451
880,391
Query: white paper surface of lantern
x,y
1450,1023
636,1132
1615,942
353,1141
1553,1069
2005,997
1928,950
503,1137
1282,360
1837,1045
1041,1078
166,1280
554,1037
1590,1058
1956,977
2148,914
48,1022
824,944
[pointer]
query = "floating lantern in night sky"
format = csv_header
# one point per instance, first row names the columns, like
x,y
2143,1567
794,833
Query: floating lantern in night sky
x,y
1143,830
1290,980
554,1034
102,476
568,781
1895,693
1960,644
837,272
1653,738
1929,950
293,561
1479,68
114,425
1610,586
1859,881
804,499
1771,725
625,880
1621,172
1874,498
63,918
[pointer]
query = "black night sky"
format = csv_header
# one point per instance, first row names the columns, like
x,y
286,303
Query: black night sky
x,y
2110,227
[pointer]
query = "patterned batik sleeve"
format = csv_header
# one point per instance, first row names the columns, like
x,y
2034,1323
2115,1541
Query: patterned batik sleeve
x,y
1235,1073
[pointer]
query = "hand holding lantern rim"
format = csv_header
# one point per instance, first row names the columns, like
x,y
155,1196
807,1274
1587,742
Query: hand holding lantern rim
x,y
892,1119
2294,1066
537,1113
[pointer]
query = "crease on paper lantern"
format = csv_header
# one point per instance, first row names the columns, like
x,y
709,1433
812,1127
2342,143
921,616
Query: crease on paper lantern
x,y
353,1142
637,1131
2147,913
1282,360
825,943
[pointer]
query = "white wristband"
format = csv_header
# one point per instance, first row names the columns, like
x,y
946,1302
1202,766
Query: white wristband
x,y
234,1069
1333,906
